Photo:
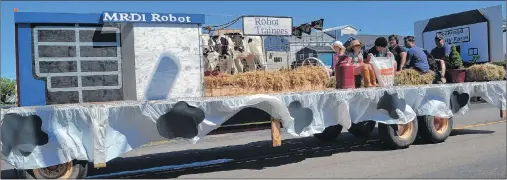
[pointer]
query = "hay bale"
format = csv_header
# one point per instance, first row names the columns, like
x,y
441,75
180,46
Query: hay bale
x,y
413,77
332,82
264,82
485,72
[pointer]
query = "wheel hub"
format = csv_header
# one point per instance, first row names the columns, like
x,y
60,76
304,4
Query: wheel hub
x,y
404,130
55,172
441,124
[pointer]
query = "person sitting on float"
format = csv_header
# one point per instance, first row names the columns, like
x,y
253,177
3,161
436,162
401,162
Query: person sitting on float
x,y
441,55
416,58
400,54
365,70
379,50
339,50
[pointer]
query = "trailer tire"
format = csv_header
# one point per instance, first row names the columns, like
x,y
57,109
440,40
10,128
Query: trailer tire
x,y
329,134
434,130
398,136
362,129
70,170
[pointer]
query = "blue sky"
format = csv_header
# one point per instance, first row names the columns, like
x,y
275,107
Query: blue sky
x,y
371,17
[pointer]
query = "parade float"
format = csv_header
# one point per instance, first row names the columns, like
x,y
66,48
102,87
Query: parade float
x,y
94,86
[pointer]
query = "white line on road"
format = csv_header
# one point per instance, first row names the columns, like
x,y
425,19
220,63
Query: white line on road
x,y
163,168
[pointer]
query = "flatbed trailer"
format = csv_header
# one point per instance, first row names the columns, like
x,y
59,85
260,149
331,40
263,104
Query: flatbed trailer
x,y
44,138
99,132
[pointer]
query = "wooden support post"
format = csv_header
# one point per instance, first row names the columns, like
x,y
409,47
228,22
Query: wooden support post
x,y
275,133
99,165
503,114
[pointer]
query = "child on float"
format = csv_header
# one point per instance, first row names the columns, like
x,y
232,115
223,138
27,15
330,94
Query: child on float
x,y
364,69
339,50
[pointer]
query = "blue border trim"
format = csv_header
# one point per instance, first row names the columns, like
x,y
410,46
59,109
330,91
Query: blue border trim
x,y
32,92
39,17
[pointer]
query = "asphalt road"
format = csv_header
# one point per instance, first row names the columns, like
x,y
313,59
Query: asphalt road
x,y
476,149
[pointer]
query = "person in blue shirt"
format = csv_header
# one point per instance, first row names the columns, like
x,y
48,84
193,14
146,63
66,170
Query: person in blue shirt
x,y
416,58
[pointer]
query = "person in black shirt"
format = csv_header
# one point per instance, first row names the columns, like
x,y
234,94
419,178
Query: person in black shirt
x,y
440,54
400,54
379,50
443,50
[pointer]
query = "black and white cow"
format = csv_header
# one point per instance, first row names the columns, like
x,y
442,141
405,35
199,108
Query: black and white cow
x,y
248,48
213,53
228,50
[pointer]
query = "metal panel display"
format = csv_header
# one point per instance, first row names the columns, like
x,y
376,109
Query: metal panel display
x,y
79,64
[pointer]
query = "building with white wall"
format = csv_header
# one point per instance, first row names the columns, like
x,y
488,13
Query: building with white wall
x,y
474,32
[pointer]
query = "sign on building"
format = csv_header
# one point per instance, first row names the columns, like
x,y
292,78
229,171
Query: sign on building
x,y
116,17
475,33
267,26
471,40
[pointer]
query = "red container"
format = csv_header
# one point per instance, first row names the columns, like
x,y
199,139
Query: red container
x,y
345,74
456,75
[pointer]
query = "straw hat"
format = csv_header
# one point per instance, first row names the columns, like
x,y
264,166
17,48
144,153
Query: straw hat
x,y
354,43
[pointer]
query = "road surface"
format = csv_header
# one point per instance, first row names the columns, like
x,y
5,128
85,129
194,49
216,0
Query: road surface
x,y
476,149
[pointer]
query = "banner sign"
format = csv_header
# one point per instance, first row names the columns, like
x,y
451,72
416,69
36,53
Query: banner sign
x,y
267,26
470,40
118,17
456,35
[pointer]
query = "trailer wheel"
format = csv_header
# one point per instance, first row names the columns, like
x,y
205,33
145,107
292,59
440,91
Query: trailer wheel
x,y
397,136
362,129
329,134
69,170
435,129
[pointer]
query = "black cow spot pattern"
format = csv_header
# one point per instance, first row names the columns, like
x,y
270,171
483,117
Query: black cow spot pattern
x,y
181,121
391,102
22,130
458,101
302,116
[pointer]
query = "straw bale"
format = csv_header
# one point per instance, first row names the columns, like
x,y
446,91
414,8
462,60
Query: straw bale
x,y
265,82
413,77
485,72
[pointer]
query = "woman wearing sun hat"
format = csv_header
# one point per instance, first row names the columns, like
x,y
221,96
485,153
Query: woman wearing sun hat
x,y
360,67
339,50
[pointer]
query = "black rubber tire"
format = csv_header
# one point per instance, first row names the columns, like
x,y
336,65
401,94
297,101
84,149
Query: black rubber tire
x,y
362,129
428,132
391,140
329,134
79,171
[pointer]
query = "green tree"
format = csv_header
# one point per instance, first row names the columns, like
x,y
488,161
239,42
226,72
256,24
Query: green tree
x,y
7,87
455,61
